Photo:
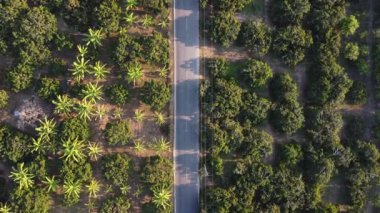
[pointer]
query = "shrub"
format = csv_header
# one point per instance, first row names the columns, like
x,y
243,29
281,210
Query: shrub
x,y
224,28
14,145
156,94
108,15
255,108
115,204
258,72
287,118
3,99
357,93
118,132
363,67
156,49
118,94
231,5
48,88
256,37
116,168
351,51
349,25
158,171
75,128
216,67
128,49
285,12
21,77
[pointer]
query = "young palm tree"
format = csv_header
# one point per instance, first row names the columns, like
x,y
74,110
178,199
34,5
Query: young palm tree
x,y
131,4
130,18
73,150
159,118
80,68
46,131
85,109
82,50
163,72
63,105
139,146
161,145
94,150
135,73
5,209
163,23
93,188
100,111
94,37
139,115
124,189
99,70
72,188
22,177
161,197
51,184
92,92
38,146
118,113
147,21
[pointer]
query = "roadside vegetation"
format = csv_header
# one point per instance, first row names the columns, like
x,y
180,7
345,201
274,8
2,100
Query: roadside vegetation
x,y
84,98
290,106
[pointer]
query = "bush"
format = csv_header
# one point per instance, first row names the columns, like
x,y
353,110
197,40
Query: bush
x,y
256,145
283,89
118,133
158,171
357,93
3,99
363,67
258,72
231,5
75,128
216,67
14,145
351,51
108,15
21,77
256,37
349,25
291,154
156,49
255,108
128,49
224,28
115,204
48,88
287,118
116,168
289,12
156,94
118,94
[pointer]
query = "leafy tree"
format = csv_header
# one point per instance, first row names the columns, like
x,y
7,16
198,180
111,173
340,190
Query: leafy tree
x,y
258,73
327,14
256,37
362,67
351,51
257,144
255,109
108,15
157,171
156,49
128,49
224,28
291,44
156,94
92,92
291,154
220,200
14,145
116,168
283,89
73,150
22,177
289,11
94,37
10,12
231,5
32,200
20,77
49,88
288,118
357,93
118,132
349,25
118,93
3,99
115,204
216,67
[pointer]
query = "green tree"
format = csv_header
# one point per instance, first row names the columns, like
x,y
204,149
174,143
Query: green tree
x,y
131,4
4,97
47,129
159,118
256,108
351,51
156,94
349,25
5,209
231,5
118,132
49,88
118,94
108,15
161,145
258,72
224,28
286,12
20,77
130,18
357,93
23,177
111,167
291,43
256,37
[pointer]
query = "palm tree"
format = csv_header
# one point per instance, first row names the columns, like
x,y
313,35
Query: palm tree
x,y
73,149
46,131
94,37
163,72
38,146
94,150
139,115
135,73
79,69
125,189
99,70
85,109
131,4
161,196
118,113
130,18
93,188
161,145
82,50
163,23
147,21
100,111
51,183
139,146
22,177
159,118
63,105
92,92
72,188
5,209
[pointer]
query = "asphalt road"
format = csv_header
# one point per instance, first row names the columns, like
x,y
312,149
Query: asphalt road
x,y
186,106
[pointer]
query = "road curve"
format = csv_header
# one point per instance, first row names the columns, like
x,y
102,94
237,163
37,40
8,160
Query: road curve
x,y
186,106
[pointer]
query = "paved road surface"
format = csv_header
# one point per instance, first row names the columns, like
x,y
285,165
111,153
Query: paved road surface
x,y
186,148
